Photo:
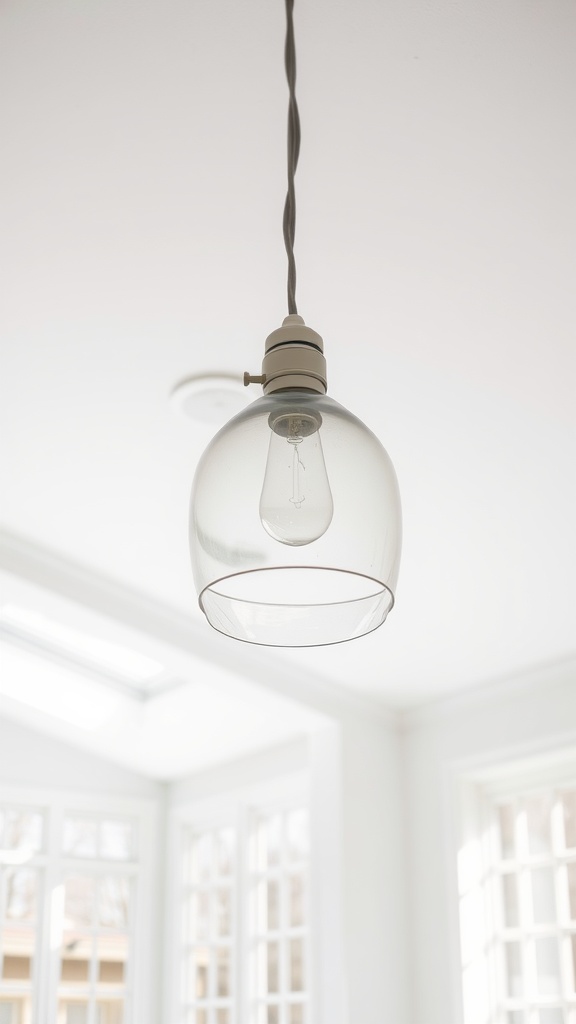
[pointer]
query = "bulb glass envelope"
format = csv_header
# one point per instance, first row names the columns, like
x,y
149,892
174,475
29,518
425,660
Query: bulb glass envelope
x,y
294,592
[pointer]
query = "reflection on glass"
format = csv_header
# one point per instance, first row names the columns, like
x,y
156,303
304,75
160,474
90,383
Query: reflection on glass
x,y
20,895
72,1012
569,814
296,901
81,837
116,840
113,901
223,972
506,822
543,900
223,912
225,851
296,1014
202,962
21,830
547,967
297,834
538,824
571,871
79,901
296,965
514,980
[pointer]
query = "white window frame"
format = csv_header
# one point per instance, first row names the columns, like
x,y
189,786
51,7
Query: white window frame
x,y
478,794
232,809
54,864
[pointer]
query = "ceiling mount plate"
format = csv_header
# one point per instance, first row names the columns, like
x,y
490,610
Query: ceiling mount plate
x,y
211,398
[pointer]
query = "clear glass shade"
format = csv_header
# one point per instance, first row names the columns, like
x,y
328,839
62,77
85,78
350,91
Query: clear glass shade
x,y
295,525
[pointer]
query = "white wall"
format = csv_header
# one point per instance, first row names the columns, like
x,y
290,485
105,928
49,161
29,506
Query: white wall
x,y
500,723
28,758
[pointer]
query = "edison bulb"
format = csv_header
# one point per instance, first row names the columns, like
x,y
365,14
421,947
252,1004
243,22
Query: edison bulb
x,y
296,504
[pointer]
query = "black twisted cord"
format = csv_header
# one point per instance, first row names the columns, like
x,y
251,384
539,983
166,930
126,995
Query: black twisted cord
x,y
289,220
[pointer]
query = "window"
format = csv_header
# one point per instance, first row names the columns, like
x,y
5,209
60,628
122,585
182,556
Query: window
x,y
68,888
244,918
278,860
518,905
21,845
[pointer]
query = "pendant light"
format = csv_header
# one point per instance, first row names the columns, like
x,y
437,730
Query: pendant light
x,y
295,525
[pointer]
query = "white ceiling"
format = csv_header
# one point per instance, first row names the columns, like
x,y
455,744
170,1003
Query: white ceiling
x,y
143,177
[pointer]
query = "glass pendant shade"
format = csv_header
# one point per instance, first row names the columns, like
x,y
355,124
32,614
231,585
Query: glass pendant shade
x,y
295,525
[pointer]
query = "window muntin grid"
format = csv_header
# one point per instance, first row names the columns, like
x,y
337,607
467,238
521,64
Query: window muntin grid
x,y
98,897
518,918
278,918
208,925
22,832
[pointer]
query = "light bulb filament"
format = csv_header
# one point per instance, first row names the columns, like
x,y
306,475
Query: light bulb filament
x,y
297,463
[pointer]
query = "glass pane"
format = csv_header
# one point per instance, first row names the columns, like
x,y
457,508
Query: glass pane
x,y
20,895
223,912
223,1017
551,1015
295,901
201,972
506,821
538,823
297,834
74,970
72,1012
223,973
273,1015
112,956
569,808
272,967
109,1011
81,837
199,911
296,947
543,899
571,876
272,919
515,1017
15,967
76,946
268,842
547,967
116,840
225,851
202,858
296,1014
573,945
113,901
514,980
201,1017
22,830
79,901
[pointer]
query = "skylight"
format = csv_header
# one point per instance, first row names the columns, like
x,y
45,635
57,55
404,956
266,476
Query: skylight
x,y
134,668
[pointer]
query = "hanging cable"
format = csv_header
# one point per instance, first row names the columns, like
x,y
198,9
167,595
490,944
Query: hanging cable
x,y
289,221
